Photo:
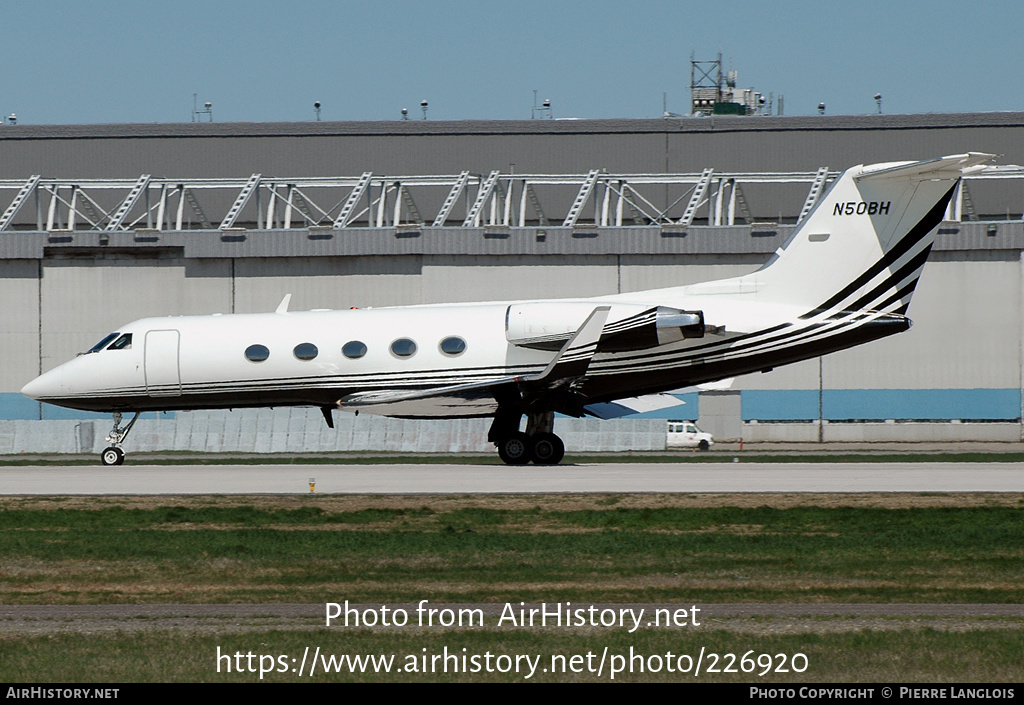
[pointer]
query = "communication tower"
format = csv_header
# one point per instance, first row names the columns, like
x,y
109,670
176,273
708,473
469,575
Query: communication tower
x,y
713,92
705,85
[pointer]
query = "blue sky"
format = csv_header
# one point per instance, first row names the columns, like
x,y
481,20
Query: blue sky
x,y
95,62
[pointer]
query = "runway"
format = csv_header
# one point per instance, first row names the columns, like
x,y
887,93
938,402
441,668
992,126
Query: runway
x,y
500,479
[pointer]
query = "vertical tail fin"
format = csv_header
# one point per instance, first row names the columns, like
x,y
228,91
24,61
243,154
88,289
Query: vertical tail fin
x,y
866,240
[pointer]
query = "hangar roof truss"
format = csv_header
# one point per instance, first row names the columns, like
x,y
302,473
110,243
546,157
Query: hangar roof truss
x,y
594,199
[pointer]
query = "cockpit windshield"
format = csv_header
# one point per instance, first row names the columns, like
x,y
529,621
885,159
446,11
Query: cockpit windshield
x,y
120,343
102,344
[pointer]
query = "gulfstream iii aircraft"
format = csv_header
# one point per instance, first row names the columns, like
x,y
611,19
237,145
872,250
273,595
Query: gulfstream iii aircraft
x,y
844,277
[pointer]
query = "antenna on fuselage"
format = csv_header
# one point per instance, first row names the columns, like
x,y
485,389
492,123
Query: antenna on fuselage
x,y
283,306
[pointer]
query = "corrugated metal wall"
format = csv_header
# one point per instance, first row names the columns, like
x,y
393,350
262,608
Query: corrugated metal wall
x,y
968,309
539,146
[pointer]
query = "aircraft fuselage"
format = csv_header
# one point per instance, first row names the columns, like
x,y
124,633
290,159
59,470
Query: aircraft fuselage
x,y
845,276
319,358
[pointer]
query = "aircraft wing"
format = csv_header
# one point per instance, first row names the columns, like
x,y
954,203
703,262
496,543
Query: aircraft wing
x,y
573,360
480,398
633,405
474,398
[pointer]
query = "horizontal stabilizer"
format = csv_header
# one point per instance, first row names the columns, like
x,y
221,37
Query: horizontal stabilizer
x,y
952,166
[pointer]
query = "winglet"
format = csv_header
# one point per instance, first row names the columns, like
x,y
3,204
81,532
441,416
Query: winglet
x,y
283,306
574,358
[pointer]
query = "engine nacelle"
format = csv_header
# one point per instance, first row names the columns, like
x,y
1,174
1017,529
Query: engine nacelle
x,y
657,326
548,325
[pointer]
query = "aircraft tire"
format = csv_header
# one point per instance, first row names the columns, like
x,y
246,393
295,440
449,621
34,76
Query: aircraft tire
x,y
517,449
548,449
112,456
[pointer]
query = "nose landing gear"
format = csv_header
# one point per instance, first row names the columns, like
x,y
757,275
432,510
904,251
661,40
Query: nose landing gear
x,y
113,454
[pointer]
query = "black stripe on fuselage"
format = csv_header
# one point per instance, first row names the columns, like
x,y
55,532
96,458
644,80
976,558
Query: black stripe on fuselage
x,y
628,381
637,382
723,348
706,348
635,321
917,233
893,280
906,291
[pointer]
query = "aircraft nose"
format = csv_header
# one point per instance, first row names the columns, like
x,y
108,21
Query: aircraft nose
x,y
45,386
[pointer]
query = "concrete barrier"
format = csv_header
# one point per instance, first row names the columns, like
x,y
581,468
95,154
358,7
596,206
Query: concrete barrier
x,y
300,430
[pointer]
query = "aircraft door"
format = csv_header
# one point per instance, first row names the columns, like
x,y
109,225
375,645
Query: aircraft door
x,y
163,377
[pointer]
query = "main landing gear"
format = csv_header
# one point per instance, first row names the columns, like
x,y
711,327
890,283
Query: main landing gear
x,y
538,444
113,454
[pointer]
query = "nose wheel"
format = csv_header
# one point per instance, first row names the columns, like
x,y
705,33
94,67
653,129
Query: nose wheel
x,y
113,454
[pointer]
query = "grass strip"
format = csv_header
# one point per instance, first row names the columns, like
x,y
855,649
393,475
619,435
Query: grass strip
x,y
650,548
901,655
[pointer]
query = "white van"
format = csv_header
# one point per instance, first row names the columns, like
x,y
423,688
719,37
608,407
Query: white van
x,y
685,434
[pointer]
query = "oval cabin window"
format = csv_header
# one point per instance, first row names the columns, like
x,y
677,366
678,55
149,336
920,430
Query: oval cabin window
x,y
257,353
305,351
403,347
453,345
354,349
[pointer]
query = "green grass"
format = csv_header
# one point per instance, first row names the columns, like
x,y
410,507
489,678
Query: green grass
x,y
299,549
899,655
679,549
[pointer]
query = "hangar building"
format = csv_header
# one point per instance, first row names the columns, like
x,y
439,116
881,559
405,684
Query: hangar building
x,y
103,224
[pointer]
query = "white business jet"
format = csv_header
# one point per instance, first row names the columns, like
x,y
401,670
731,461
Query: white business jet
x,y
844,277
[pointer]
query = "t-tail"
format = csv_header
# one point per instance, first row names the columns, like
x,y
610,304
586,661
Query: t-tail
x,y
863,245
